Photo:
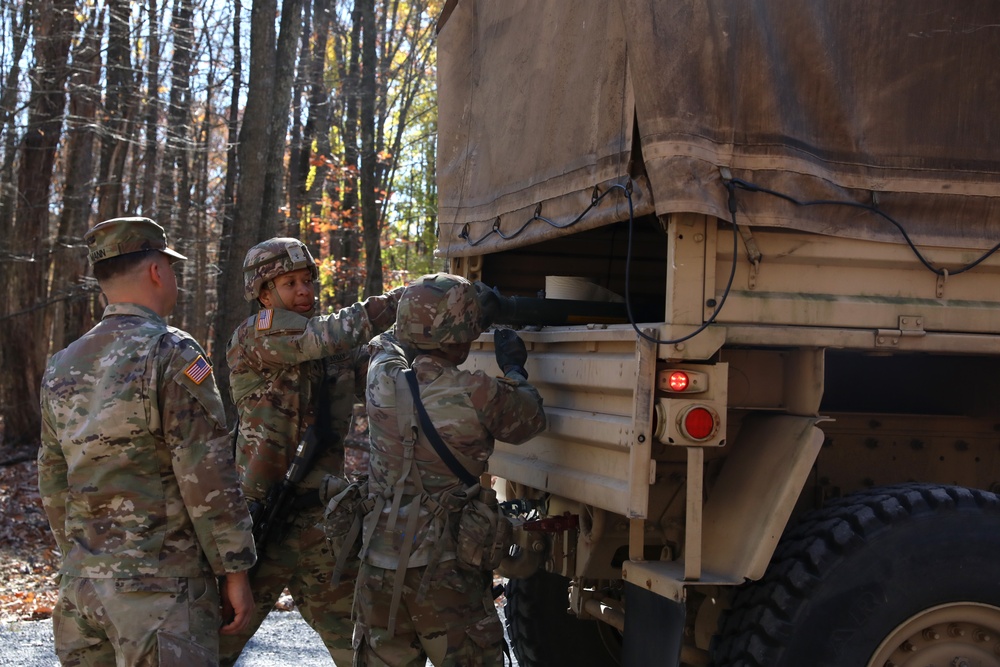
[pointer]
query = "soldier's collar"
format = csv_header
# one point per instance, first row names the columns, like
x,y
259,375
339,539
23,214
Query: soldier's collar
x,y
120,309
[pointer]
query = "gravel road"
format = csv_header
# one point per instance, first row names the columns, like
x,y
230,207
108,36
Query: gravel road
x,y
283,639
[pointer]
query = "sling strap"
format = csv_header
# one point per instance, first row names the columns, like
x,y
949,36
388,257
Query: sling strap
x,y
443,450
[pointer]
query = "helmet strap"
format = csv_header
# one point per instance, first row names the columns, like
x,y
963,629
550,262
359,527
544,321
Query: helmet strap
x,y
276,301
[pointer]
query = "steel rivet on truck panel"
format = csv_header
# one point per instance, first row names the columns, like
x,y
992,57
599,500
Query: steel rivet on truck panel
x,y
642,438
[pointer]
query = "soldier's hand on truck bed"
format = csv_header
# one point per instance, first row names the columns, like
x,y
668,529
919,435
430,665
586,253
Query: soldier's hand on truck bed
x,y
510,351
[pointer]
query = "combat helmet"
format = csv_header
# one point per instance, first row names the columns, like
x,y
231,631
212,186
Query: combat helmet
x,y
438,309
268,260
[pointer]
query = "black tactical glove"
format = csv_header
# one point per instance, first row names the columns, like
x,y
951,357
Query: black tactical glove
x,y
510,351
489,303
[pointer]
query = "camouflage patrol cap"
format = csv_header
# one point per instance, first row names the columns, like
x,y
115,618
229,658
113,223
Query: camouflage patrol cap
x,y
438,309
271,258
122,236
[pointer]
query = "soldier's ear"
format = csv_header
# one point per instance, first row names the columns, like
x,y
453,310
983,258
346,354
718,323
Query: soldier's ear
x,y
154,272
158,269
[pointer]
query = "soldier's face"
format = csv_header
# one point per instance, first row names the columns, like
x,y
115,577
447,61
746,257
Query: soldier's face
x,y
294,290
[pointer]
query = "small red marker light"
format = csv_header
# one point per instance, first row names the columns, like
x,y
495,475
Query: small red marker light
x,y
678,381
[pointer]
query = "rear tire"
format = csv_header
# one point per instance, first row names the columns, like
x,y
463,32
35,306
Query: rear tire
x,y
544,634
903,575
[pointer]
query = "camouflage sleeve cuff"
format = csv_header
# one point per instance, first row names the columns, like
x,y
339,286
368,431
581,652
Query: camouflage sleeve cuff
x,y
240,561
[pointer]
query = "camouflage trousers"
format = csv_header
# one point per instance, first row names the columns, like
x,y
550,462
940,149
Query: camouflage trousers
x,y
303,563
456,625
141,622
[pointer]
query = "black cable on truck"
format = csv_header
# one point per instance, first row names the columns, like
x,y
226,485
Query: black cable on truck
x,y
753,187
731,184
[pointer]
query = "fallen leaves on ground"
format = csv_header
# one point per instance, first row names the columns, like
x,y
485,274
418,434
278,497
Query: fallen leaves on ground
x,y
28,558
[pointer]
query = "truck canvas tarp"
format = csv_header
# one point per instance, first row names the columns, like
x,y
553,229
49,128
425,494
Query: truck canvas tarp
x,y
541,102
772,387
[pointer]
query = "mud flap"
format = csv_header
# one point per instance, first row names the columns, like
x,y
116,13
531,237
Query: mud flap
x,y
654,629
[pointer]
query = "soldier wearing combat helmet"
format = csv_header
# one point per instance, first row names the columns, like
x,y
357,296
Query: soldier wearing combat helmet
x,y
291,370
417,597
136,474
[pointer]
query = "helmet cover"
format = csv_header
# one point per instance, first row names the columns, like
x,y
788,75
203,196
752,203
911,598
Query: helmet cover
x,y
438,309
268,260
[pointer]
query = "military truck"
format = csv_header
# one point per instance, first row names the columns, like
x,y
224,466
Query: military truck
x,y
750,247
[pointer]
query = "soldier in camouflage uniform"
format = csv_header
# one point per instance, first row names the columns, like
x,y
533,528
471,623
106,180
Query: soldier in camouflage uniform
x,y
278,359
136,474
414,599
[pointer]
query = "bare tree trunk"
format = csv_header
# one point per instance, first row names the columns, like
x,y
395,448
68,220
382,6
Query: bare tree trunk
x,y
151,152
229,283
24,279
8,107
254,138
200,295
284,69
118,100
317,129
369,204
71,316
298,141
343,241
174,196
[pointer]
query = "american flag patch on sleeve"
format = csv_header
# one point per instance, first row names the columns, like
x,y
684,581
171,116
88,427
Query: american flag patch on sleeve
x,y
264,319
198,370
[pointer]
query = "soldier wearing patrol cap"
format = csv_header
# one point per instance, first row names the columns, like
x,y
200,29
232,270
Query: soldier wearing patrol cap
x,y
417,597
136,474
292,369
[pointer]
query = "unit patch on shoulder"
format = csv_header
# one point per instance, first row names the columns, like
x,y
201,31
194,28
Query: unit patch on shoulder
x,y
198,370
507,380
264,319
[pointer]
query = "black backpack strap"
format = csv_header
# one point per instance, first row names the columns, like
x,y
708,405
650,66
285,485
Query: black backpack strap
x,y
432,435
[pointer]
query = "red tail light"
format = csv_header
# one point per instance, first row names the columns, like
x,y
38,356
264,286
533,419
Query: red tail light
x,y
699,423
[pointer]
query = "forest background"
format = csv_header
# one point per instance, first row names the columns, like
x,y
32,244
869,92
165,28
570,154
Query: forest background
x,y
227,124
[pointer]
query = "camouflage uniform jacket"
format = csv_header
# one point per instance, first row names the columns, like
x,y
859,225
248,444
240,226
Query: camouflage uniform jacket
x,y
135,468
277,360
469,410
